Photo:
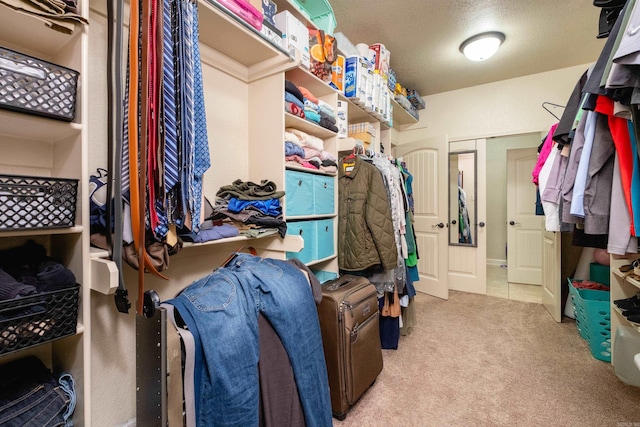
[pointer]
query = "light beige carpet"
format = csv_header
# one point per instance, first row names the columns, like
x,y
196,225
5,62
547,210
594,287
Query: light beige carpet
x,y
477,360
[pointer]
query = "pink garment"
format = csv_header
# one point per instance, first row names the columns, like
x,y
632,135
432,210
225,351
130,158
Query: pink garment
x,y
307,94
544,153
299,160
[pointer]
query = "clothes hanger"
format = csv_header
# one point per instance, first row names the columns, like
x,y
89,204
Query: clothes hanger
x,y
545,104
358,149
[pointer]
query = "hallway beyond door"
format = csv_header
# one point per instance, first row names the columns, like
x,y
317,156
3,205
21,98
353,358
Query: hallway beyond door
x,y
497,286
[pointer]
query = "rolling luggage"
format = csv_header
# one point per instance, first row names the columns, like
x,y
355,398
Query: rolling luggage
x,y
349,323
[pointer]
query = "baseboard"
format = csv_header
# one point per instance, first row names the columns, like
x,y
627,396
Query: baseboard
x,y
498,262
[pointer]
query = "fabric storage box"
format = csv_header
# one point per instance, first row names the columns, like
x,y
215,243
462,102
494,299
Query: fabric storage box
x,y
593,319
325,276
323,194
599,273
299,193
324,238
39,318
306,230
28,202
31,85
627,345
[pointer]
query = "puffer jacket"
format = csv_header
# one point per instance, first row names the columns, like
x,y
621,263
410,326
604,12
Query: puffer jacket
x,y
365,227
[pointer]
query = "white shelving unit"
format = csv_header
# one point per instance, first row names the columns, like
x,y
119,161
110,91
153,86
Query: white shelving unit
x,y
623,285
37,146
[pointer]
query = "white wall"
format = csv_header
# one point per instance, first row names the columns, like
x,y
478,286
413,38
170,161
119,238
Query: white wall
x,y
506,107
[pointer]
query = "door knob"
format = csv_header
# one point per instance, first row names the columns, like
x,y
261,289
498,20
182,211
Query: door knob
x,y
513,223
453,222
439,225
481,224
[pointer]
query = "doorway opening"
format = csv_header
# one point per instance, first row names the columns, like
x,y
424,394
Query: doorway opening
x,y
502,250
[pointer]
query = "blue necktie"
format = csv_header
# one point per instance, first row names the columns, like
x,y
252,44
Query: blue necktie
x,y
187,103
171,168
201,161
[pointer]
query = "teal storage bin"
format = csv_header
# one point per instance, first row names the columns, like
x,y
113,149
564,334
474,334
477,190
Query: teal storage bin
x,y
593,319
323,195
320,13
325,276
298,193
324,234
599,273
306,230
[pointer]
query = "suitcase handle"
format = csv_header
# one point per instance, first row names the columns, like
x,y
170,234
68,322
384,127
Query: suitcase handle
x,y
340,282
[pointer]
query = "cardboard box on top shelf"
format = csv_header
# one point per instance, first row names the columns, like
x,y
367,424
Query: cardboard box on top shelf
x,y
295,36
382,59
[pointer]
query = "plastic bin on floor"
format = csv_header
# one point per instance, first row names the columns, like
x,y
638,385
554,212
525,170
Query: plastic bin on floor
x,y
593,319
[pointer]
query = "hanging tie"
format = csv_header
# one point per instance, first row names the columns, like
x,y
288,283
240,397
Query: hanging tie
x,y
187,101
201,161
171,167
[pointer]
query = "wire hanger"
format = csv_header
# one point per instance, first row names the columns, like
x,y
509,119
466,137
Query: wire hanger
x,y
545,104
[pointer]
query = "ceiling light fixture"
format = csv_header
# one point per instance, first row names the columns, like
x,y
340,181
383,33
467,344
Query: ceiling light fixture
x,y
482,46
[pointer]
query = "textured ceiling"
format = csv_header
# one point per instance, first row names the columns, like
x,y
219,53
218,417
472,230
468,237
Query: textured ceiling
x,y
424,37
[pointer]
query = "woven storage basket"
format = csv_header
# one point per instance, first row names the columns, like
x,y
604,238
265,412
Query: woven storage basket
x,y
28,202
31,85
36,319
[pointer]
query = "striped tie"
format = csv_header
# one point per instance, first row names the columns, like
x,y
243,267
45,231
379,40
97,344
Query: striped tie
x,y
169,101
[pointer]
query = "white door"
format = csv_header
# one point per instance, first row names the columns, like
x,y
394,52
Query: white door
x,y
551,275
427,162
468,263
524,227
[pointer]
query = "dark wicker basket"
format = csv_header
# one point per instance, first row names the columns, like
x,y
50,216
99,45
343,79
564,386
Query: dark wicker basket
x,y
36,319
31,85
28,202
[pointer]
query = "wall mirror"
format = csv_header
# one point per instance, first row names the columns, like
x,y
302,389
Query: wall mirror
x,y
462,198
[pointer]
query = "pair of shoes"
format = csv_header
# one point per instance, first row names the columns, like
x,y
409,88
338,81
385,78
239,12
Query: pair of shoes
x,y
627,303
634,266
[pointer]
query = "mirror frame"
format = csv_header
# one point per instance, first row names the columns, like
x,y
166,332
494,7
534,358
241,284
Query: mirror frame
x,y
473,221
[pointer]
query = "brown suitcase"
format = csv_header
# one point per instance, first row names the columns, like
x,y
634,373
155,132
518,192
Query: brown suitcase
x,y
351,338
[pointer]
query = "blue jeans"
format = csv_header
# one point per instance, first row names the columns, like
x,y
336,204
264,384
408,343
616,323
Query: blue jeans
x,y
30,396
224,308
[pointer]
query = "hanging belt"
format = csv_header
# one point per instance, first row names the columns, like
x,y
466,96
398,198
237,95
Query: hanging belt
x,y
114,178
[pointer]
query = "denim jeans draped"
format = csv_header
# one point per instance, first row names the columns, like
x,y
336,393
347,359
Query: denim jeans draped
x,y
223,307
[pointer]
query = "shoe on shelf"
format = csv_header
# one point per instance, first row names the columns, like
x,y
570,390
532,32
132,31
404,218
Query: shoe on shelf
x,y
633,311
627,303
634,319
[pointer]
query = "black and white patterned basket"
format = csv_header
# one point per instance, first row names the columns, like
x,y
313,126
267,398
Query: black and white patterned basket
x,y
28,202
31,85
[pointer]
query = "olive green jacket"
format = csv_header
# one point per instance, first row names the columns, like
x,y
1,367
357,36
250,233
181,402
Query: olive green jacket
x,y
365,228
